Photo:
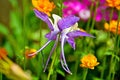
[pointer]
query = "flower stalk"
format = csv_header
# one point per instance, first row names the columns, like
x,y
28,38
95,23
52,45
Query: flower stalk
x,y
85,74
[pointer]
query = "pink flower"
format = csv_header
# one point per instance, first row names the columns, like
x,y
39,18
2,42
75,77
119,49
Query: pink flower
x,y
84,14
81,8
75,7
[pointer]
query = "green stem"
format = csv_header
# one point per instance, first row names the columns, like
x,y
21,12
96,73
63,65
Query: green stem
x,y
39,58
116,45
92,25
116,48
89,20
85,74
51,67
111,60
111,14
111,68
103,69
93,22
0,76
54,57
24,30
61,7
76,68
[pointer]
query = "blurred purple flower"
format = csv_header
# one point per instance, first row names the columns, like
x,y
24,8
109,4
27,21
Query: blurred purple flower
x,y
63,30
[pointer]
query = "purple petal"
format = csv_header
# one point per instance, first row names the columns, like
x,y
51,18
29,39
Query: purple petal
x,y
52,35
64,65
78,33
71,42
51,52
62,57
43,17
67,22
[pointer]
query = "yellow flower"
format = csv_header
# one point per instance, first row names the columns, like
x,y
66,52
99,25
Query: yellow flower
x,y
112,26
114,3
89,61
10,69
44,6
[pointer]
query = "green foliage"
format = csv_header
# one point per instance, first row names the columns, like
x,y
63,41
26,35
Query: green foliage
x,y
28,32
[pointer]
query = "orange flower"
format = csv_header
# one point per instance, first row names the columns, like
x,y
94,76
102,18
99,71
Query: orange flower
x,y
114,3
3,52
44,6
112,26
30,51
89,61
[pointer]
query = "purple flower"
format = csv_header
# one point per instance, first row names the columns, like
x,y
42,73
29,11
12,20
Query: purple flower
x,y
63,30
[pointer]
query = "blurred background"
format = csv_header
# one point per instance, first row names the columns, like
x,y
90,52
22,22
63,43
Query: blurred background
x,y
21,30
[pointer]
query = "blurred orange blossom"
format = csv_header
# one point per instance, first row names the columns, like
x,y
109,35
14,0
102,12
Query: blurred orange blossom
x,y
112,26
44,6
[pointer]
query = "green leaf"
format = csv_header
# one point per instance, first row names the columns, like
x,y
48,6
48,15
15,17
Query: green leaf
x,y
60,72
3,30
117,57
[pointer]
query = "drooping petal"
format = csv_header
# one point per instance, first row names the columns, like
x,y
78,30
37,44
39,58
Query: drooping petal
x,y
78,33
62,57
71,42
51,52
43,17
40,48
67,22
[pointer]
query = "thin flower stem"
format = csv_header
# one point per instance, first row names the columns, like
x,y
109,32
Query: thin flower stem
x,y
38,73
111,60
111,14
85,74
61,7
89,20
93,22
116,45
0,76
111,68
54,58
116,48
76,68
24,31
92,25
104,64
